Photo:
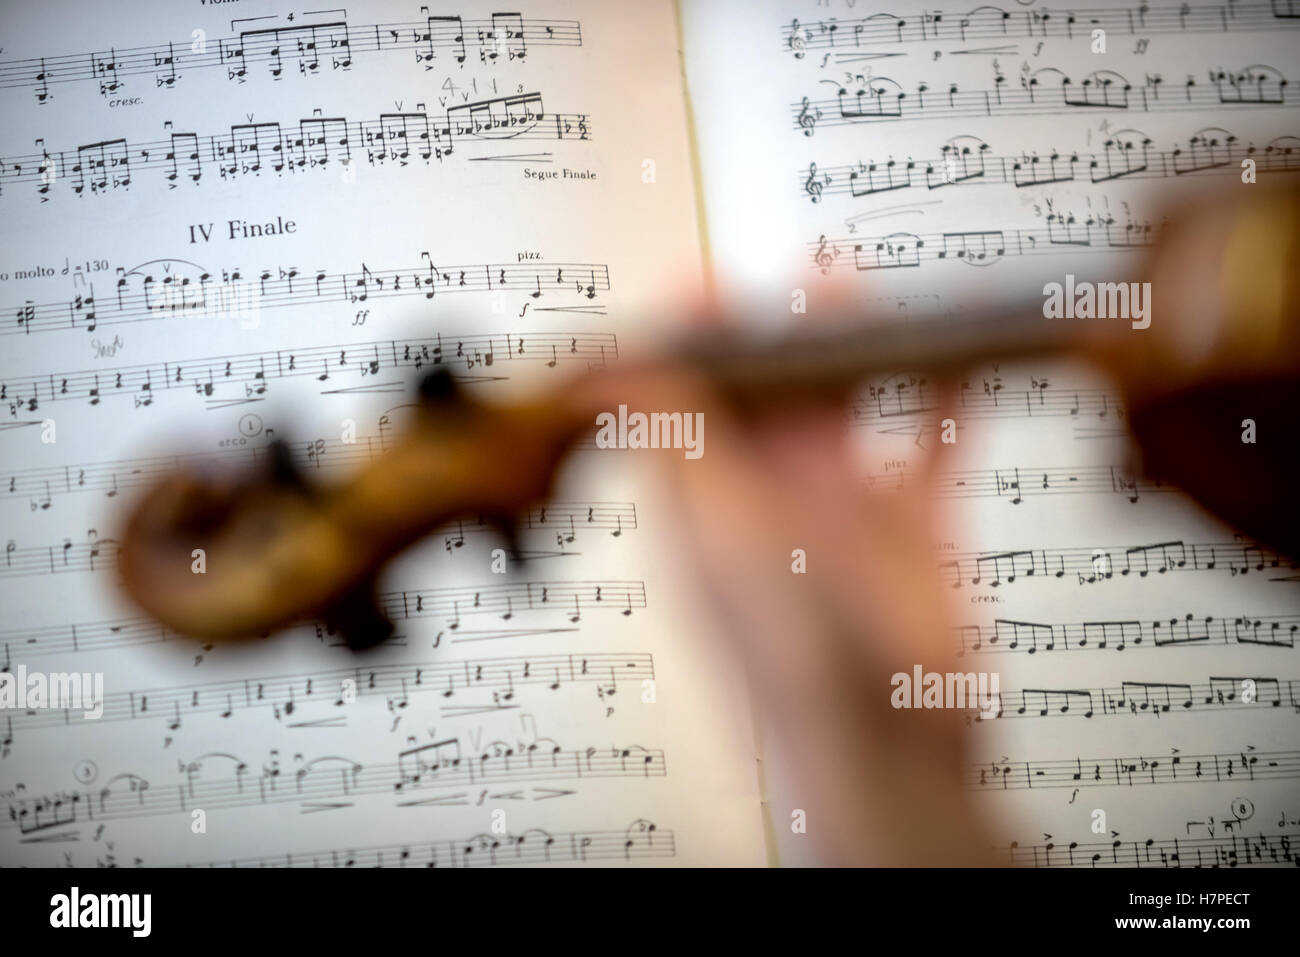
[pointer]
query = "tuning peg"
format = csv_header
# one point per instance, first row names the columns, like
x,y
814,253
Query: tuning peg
x,y
357,618
283,469
438,385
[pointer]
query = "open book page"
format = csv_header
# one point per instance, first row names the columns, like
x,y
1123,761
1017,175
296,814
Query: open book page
x,y
226,225
933,159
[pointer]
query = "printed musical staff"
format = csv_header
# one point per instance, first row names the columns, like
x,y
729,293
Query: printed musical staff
x,y
991,21
981,247
42,485
1016,483
306,49
1130,156
1186,630
429,768
1047,92
909,400
1229,850
315,144
173,288
641,840
1095,565
356,363
525,599
1154,698
97,555
286,696
1172,768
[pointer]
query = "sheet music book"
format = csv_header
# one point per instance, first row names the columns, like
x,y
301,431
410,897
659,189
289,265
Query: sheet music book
x,y
233,223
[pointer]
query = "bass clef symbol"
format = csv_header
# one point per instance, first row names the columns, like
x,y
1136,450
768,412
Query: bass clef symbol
x,y
808,117
813,185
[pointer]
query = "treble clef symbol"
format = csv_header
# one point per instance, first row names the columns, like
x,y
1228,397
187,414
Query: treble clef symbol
x,y
824,257
808,120
796,40
813,185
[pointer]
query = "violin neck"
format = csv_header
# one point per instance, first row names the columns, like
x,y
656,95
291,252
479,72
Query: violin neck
x,y
826,362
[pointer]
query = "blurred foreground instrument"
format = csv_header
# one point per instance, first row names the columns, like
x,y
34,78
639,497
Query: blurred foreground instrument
x,y
1223,346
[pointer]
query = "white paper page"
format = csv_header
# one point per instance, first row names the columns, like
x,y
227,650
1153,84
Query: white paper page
x,y
506,193
933,159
